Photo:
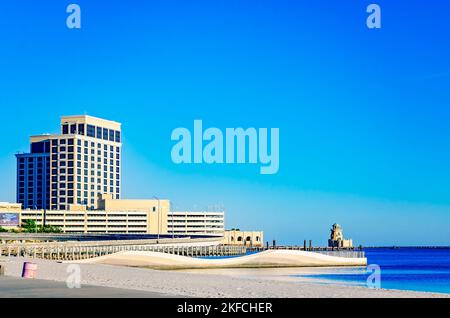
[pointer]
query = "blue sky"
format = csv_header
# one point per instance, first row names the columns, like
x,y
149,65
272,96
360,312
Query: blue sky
x,y
363,114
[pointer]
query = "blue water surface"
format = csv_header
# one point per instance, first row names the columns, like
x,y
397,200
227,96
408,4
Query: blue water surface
x,y
416,269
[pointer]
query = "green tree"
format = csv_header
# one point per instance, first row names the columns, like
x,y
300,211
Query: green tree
x,y
29,226
3,230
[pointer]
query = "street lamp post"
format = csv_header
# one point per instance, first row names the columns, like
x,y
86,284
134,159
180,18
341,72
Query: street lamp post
x,y
158,227
35,223
171,214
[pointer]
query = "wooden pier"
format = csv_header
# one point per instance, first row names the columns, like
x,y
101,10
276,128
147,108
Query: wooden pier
x,y
32,246
353,252
72,251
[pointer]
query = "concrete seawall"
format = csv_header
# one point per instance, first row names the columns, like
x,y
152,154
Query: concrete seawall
x,y
266,259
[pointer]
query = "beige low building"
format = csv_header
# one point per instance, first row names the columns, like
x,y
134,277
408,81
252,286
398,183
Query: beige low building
x,y
237,237
196,223
156,211
10,207
119,216
114,216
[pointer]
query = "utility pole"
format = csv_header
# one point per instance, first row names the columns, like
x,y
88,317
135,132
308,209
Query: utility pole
x,y
171,213
158,217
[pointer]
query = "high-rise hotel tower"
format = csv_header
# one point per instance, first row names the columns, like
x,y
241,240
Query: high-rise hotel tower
x,y
73,167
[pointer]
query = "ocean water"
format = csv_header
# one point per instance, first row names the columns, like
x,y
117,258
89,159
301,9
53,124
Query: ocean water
x,y
416,269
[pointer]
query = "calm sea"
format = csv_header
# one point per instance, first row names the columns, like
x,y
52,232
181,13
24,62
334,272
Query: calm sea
x,y
415,269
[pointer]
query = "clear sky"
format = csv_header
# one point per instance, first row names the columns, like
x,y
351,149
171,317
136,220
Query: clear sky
x,y
363,114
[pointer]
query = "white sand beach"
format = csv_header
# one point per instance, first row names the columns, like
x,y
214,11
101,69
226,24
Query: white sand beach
x,y
224,283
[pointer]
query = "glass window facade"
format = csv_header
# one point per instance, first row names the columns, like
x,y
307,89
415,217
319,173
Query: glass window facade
x,y
61,171
90,131
33,180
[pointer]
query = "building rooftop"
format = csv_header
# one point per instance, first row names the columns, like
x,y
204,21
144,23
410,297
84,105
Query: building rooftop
x,y
91,120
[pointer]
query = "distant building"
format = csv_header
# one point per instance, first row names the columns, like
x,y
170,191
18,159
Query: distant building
x,y
208,223
72,180
73,167
337,238
114,216
118,216
244,238
33,177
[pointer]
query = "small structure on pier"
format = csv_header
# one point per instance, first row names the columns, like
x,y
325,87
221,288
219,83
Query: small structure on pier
x,y
236,237
337,238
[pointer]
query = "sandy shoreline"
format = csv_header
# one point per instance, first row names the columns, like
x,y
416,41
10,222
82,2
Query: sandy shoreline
x,y
231,283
